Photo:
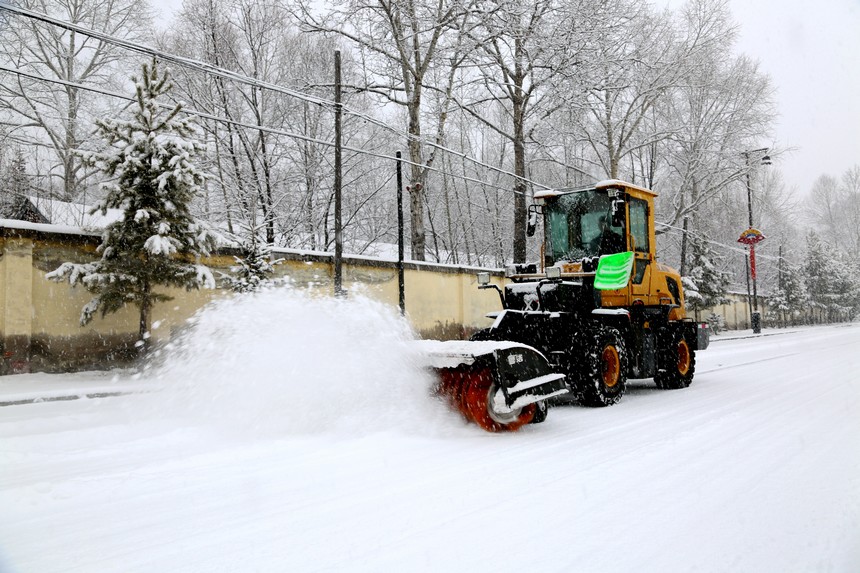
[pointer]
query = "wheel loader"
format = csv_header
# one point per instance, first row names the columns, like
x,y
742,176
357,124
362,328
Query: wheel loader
x,y
596,310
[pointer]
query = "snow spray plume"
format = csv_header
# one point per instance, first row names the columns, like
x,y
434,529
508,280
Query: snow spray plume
x,y
281,361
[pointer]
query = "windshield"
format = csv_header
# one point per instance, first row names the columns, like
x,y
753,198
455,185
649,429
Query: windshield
x,y
580,225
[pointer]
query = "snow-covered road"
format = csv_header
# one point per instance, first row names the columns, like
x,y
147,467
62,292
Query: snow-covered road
x,y
755,467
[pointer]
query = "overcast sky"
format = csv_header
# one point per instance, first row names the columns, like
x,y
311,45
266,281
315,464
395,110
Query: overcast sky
x,y
811,50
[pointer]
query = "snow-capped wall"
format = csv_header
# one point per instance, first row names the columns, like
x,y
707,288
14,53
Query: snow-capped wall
x,y
39,319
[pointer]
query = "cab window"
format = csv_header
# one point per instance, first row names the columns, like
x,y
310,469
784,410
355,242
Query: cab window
x,y
639,225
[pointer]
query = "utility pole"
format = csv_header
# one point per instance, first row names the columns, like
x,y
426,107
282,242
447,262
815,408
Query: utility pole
x,y
401,287
752,236
749,295
338,182
684,248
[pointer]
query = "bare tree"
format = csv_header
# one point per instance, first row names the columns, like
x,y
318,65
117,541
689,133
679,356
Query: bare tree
x,y
244,37
520,47
58,112
400,42
271,144
723,109
833,208
642,59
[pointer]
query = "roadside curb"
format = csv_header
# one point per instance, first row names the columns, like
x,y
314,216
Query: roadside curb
x,y
746,336
62,398
777,332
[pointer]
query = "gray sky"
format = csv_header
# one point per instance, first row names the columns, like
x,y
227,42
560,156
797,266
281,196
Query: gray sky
x,y
811,50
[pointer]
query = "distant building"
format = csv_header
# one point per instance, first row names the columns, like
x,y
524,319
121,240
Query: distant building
x,y
53,212
21,209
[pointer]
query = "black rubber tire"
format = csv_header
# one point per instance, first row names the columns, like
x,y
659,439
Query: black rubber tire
x,y
541,411
676,361
604,368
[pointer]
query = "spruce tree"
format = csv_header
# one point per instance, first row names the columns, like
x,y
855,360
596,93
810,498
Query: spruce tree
x,y
17,181
790,296
14,181
149,161
253,267
834,291
705,285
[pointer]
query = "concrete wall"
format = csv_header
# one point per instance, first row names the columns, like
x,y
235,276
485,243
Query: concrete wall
x,y
735,313
39,319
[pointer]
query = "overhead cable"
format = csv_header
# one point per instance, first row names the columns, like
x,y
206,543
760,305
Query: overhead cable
x,y
253,82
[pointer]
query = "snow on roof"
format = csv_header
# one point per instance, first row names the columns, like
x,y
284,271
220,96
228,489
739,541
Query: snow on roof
x,y
46,228
547,193
619,183
606,183
386,256
64,213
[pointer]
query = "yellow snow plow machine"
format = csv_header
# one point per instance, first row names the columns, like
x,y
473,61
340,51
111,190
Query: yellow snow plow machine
x,y
597,310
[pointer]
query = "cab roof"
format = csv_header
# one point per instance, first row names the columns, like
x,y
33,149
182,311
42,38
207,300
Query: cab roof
x,y
605,184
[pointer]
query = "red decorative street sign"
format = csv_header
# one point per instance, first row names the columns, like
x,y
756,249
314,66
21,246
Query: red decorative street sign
x,y
751,237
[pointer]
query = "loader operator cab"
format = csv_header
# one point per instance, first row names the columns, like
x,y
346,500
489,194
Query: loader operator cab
x,y
585,224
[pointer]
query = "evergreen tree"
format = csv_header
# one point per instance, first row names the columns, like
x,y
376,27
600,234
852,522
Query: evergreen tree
x,y
150,162
844,295
831,280
17,180
815,269
253,267
14,180
790,296
705,285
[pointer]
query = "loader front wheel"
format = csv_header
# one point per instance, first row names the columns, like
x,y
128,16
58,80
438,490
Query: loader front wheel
x,y
482,404
605,376
541,412
676,363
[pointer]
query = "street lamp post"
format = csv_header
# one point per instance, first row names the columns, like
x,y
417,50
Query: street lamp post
x,y
752,236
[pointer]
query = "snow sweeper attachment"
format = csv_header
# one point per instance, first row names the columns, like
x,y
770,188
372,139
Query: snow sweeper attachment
x,y
500,386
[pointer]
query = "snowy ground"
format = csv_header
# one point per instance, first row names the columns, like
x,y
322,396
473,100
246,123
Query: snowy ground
x,y
289,434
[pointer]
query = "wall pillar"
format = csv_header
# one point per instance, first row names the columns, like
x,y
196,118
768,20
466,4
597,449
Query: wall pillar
x,y
17,293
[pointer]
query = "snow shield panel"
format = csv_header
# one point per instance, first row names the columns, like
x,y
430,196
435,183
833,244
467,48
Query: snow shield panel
x,y
613,271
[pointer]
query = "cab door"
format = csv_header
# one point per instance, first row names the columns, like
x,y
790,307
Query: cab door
x,y
640,237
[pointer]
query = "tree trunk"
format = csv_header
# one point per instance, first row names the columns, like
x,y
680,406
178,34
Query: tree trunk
x,y
519,184
416,185
71,144
145,319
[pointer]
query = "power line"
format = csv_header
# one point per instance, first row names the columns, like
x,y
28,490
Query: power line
x,y
274,131
253,82
729,247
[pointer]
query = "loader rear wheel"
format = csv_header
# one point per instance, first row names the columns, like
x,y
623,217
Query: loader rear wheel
x,y
676,363
605,375
478,404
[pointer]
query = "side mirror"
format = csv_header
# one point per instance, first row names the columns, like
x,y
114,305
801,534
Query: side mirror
x,y
531,225
618,213
483,278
